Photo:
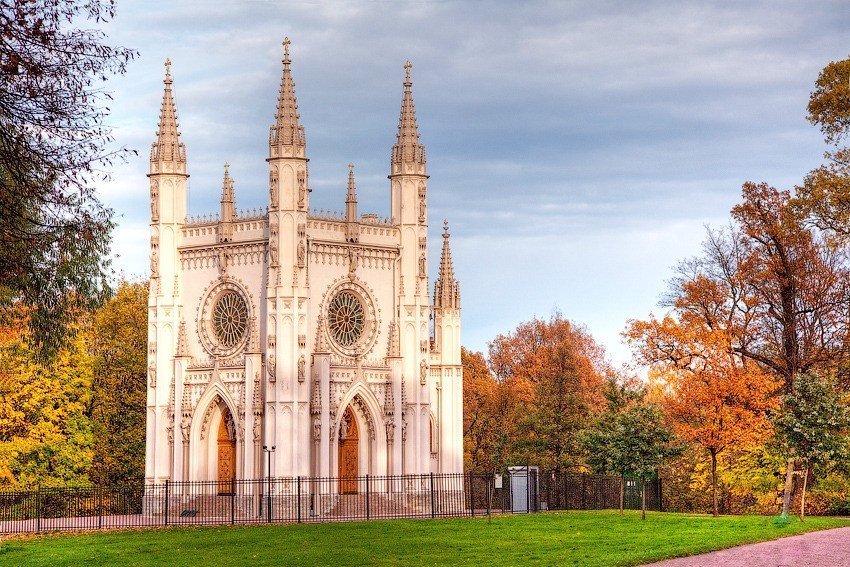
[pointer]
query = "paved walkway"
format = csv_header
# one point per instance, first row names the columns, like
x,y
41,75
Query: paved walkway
x,y
827,548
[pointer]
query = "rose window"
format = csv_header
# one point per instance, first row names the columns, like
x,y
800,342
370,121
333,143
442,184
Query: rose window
x,y
346,318
230,319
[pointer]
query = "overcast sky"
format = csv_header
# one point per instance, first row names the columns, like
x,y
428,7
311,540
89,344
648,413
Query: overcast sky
x,y
578,149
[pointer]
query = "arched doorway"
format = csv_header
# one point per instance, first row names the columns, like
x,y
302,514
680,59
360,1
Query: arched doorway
x,y
226,453
349,454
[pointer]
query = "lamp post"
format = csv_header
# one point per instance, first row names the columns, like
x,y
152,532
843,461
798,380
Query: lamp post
x,y
268,451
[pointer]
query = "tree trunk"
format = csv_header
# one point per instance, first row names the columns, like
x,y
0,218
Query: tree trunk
x,y
622,492
789,487
714,482
643,499
803,500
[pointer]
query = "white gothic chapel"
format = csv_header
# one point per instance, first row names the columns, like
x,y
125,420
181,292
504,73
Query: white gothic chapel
x,y
310,333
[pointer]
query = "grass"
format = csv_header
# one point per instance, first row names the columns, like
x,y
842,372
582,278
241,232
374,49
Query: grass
x,y
554,538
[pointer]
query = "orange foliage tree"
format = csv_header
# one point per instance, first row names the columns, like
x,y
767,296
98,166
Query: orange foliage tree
x,y
775,287
552,376
713,396
484,408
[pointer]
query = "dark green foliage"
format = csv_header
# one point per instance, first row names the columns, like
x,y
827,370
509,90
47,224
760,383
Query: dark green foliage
x,y
814,421
54,146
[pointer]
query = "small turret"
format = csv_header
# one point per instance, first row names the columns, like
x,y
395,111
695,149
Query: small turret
x,y
228,207
352,229
446,288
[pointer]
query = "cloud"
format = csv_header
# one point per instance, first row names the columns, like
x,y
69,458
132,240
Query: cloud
x,y
577,148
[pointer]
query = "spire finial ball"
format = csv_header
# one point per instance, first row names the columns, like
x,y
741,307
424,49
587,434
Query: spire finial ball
x,y
351,167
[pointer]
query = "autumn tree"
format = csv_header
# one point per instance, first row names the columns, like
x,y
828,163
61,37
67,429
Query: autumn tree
x,y
824,196
553,371
118,345
485,427
773,286
54,145
46,434
712,395
814,425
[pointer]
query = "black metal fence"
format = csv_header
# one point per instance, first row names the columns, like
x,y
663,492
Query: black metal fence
x,y
311,499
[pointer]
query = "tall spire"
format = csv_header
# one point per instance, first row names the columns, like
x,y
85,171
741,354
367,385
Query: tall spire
x,y
352,229
168,149
228,207
408,149
287,131
446,288
351,198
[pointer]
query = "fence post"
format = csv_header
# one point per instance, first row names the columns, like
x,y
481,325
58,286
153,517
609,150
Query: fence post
x,y
660,504
99,508
166,502
269,501
368,508
471,495
488,496
433,511
584,491
298,497
38,509
232,501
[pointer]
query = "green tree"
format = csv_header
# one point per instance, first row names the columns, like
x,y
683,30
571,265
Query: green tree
x,y
645,441
119,352
814,425
603,442
54,146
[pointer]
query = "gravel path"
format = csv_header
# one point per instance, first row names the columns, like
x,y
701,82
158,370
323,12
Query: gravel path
x,y
827,548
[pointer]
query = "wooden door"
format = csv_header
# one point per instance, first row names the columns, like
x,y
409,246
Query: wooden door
x,y
348,453
226,458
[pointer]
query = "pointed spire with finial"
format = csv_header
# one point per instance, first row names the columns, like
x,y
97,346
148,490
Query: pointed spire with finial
x,y
228,207
352,226
351,198
407,149
287,131
168,149
446,288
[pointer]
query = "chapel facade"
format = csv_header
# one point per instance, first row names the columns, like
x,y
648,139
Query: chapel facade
x,y
303,337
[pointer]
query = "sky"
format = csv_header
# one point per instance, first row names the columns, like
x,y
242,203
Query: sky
x,y
578,149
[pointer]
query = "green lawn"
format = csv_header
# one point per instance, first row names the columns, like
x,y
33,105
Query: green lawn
x,y
555,538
